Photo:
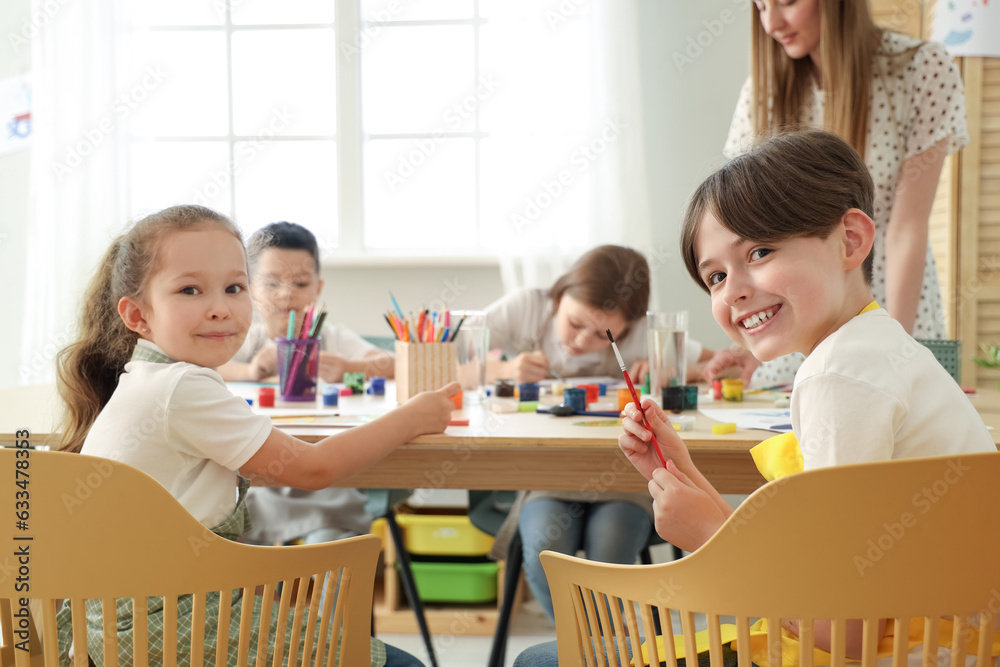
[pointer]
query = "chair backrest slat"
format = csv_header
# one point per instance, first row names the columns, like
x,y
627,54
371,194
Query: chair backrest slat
x,y
667,628
932,632
169,631
601,641
615,612
336,591
222,634
264,625
714,639
323,652
198,613
743,642
109,617
986,626
688,628
838,642
281,627
647,614
631,622
140,631
301,586
246,626
869,642
900,643
312,615
49,639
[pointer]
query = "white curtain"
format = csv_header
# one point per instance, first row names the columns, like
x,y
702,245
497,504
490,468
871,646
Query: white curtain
x,y
75,200
619,203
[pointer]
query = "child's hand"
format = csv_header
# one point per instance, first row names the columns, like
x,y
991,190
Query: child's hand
x,y
732,356
331,367
265,364
684,514
637,444
530,366
430,411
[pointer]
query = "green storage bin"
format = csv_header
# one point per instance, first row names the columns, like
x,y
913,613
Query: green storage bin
x,y
948,353
455,582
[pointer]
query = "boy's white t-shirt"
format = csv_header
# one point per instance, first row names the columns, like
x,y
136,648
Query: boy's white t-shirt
x,y
885,397
180,424
333,338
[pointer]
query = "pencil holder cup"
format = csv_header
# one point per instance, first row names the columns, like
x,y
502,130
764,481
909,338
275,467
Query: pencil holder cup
x,y
423,367
298,368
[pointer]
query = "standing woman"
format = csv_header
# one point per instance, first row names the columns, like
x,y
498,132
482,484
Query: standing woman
x,y
896,99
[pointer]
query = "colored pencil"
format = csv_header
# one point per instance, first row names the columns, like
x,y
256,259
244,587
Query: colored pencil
x,y
395,305
457,327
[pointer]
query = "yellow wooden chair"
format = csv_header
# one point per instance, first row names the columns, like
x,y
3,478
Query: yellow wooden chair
x,y
97,529
914,540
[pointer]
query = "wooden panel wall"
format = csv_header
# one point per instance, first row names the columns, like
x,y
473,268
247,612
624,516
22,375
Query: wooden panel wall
x,y
979,222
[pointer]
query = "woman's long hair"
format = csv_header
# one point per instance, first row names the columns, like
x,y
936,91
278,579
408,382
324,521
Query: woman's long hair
x,y
781,86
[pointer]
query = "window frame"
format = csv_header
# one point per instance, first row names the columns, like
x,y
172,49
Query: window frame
x,y
351,30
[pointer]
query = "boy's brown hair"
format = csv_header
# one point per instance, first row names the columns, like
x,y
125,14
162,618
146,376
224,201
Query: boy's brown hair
x,y
788,185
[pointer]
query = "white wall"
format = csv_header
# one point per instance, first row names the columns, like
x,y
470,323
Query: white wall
x,y
695,58
687,107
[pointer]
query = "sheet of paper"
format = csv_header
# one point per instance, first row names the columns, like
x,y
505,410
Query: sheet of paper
x,y
344,421
275,413
768,419
574,381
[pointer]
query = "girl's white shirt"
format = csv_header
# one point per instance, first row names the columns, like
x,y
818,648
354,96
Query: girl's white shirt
x,y
180,424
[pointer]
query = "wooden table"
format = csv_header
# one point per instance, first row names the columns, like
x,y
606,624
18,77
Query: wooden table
x,y
496,451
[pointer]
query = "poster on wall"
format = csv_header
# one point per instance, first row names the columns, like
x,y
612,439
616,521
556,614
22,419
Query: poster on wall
x,y
15,113
968,27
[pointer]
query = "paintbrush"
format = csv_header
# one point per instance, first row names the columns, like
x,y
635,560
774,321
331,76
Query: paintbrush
x,y
635,397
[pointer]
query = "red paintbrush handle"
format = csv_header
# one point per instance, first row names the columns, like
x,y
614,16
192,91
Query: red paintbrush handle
x,y
635,399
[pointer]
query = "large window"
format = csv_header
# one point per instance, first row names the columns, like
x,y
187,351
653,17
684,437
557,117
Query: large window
x,y
388,127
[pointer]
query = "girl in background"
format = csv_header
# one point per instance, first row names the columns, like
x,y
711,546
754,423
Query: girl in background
x,y
562,330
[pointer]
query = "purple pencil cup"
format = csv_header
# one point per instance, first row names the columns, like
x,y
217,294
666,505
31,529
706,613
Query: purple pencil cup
x,y
298,368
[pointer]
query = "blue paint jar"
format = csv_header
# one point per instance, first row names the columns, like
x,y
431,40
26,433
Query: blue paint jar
x,y
576,398
528,391
330,395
